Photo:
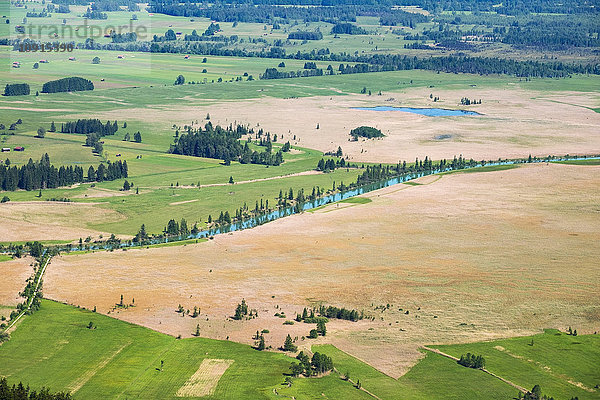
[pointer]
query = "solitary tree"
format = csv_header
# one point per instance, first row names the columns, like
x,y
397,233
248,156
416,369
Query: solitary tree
x,y
98,148
261,343
41,132
180,80
321,328
289,345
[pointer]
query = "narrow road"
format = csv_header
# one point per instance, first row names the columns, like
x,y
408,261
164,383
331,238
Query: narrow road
x,y
35,291
522,389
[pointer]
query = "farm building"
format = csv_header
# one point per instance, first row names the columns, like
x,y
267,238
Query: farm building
x,y
43,61
19,148
71,58
5,149
120,56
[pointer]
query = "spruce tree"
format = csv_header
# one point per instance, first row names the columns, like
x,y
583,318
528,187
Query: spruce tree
x,y
289,344
261,343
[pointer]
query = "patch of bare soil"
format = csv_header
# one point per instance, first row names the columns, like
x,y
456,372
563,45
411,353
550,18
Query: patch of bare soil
x,y
466,258
205,379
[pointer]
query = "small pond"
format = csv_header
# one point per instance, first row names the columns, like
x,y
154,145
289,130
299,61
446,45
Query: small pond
x,y
429,112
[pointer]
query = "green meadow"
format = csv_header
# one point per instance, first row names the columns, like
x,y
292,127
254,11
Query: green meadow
x,y
122,360
563,365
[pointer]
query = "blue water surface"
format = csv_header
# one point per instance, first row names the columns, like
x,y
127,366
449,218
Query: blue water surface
x,y
429,112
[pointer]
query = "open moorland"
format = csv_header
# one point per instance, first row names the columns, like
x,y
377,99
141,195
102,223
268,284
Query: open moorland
x,y
456,252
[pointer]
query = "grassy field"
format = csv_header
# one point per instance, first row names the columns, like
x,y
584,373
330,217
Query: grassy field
x,y
4,257
564,366
122,360
581,162
489,168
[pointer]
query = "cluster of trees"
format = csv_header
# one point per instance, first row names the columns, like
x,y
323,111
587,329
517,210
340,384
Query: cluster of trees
x,y
94,14
123,37
241,311
557,33
472,361
380,172
305,35
319,364
465,101
112,171
548,32
266,12
34,14
72,84
20,392
361,68
16,89
179,229
340,313
289,345
348,29
509,8
273,73
35,249
38,175
263,13
194,37
59,8
536,394
212,29
223,143
402,19
366,132
330,164
85,126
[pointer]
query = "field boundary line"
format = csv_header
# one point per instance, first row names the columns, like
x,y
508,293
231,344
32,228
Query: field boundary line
x,y
436,351
86,376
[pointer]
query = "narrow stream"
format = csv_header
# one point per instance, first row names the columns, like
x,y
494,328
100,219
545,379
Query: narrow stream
x,y
308,205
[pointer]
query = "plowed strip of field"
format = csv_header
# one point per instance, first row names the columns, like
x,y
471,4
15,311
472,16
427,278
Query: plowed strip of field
x,y
205,379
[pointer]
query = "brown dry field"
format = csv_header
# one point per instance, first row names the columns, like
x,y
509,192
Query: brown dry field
x,y
515,123
36,220
13,277
472,256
